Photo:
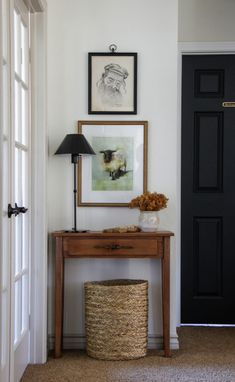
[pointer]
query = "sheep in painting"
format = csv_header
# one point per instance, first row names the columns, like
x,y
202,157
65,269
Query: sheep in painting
x,y
114,162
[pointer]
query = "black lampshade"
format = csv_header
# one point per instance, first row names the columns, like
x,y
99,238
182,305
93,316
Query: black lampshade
x,y
75,144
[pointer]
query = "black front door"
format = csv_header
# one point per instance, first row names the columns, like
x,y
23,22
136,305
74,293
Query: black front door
x,y
208,190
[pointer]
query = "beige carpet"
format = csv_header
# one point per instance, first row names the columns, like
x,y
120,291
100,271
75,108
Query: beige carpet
x,y
205,355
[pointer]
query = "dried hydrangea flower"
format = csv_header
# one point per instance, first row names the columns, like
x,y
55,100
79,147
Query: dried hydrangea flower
x,y
149,201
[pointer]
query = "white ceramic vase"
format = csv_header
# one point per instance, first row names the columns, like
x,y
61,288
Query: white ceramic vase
x,y
148,221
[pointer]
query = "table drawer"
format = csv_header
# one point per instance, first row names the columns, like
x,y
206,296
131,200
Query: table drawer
x,y
112,247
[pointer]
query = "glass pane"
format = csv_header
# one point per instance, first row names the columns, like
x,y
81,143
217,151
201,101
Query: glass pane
x,y
23,52
16,43
25,217
18,176
4,29
18,132
24,115
5,220
18,310
4,328
18,220
25,238
5,100
24,178
25,303
5,254
18,243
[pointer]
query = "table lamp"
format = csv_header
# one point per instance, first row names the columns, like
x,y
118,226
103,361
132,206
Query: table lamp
x,y
76,145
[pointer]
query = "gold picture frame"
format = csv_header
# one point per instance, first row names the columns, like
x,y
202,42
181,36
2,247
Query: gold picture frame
x,y
118,172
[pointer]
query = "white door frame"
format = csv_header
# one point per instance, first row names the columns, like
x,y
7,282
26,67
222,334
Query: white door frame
x,y
190,48
38,298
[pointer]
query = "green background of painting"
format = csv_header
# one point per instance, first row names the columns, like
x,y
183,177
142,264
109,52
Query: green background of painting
x,y
101,181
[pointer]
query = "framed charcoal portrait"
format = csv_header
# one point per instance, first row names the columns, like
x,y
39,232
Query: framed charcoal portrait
x,y
118,171
112,83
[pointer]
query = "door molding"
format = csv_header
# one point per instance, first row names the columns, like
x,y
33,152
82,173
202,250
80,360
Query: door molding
x,y
206,48
197,48
38,298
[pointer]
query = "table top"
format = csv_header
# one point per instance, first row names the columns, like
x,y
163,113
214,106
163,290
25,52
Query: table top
x,y
111,234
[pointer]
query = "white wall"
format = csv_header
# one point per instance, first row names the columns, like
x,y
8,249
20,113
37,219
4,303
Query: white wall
x,y
76,27
206,20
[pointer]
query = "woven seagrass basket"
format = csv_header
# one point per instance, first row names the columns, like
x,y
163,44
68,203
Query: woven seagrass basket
x,y
116,320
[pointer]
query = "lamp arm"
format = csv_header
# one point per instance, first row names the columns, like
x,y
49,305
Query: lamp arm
x,y
75,195
74,160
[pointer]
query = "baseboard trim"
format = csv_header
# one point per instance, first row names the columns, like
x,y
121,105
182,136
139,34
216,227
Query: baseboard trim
x,y
75,341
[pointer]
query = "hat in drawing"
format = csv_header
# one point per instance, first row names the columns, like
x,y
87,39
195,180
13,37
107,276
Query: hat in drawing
x,y
115,68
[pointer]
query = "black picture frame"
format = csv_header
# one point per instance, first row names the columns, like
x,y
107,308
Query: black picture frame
x,y
112,83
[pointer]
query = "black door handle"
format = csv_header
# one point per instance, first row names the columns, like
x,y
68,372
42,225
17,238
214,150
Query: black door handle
x,y
16,210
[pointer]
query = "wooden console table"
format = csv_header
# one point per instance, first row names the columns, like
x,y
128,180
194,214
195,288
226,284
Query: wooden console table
x,y
112,245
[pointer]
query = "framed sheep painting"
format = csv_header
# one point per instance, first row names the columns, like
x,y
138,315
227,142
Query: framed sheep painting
x,y
118,171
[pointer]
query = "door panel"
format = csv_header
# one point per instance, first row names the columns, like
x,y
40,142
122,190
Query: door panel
x,y
20,195
207,190
208,137
4,198
15,173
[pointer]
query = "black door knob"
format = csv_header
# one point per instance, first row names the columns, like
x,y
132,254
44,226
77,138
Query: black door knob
x,y
16,210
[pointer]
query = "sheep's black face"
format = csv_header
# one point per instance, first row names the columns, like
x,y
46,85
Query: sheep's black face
x,y
108,155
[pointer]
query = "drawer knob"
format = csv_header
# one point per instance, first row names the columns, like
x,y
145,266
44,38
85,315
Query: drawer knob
x,y
114,246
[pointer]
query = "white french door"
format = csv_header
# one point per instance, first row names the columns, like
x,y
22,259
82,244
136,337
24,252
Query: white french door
x,y
20,153
15,221
5,192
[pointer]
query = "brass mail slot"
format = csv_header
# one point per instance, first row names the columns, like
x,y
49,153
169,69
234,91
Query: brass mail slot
x,y
228,104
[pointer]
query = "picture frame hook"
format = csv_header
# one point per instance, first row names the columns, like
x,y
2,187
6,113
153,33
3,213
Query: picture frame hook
x,y
113,48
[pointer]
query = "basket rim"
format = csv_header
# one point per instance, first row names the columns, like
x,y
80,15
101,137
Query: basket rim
x,y
116,283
